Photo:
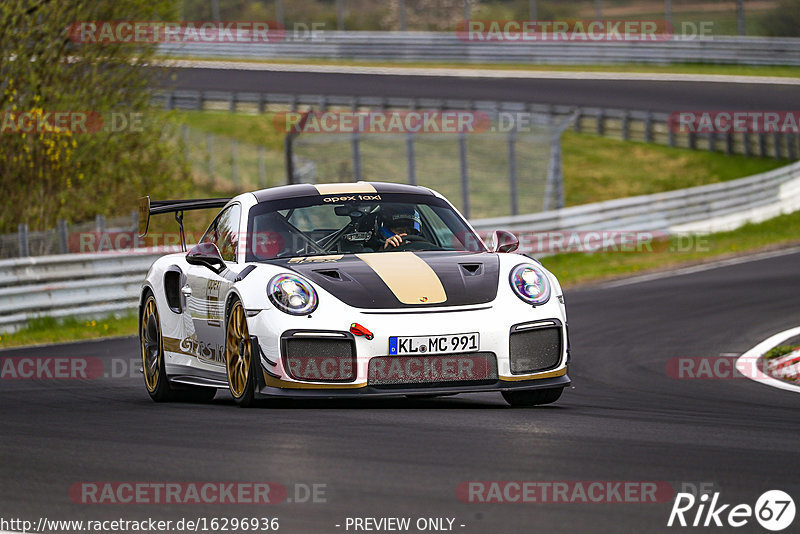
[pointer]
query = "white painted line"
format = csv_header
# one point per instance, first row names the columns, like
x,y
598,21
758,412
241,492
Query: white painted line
x,y
699,268
474,72
747,364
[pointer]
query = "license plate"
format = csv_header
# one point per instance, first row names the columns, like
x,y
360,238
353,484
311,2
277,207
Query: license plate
x,y
435,344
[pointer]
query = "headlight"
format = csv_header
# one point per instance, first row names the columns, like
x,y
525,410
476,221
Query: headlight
x,y
292,294
530,284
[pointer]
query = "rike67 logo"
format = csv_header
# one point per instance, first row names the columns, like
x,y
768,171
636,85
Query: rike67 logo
x,y
774,510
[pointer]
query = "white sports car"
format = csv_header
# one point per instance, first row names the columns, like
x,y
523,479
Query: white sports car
x,y
348,290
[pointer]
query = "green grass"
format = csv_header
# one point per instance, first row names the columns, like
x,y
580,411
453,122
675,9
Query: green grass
x,y
575,268
255,129
675,68
600,168
780,350
50,330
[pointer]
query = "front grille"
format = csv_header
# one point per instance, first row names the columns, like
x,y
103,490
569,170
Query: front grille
x,y
444,369
537,349
320,359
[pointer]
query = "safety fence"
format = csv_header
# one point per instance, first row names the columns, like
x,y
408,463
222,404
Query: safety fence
x,y
629,125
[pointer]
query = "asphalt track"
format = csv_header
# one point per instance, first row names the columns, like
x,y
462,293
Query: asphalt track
x,y
625,419
666,96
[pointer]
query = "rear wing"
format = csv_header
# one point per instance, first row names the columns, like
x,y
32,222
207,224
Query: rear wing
x,y
149,207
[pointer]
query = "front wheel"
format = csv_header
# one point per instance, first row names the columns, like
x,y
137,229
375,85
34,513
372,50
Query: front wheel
x,y
238,357
532,397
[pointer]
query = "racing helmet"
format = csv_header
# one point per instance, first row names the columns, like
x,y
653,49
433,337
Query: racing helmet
x,y
399,216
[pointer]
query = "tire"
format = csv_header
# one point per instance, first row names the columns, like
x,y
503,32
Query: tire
x,y
239,362
532,397
156,380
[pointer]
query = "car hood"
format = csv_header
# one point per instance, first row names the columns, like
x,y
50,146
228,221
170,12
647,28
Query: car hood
x,y
404,279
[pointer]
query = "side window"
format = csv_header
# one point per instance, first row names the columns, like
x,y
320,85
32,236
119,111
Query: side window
x,y
224,232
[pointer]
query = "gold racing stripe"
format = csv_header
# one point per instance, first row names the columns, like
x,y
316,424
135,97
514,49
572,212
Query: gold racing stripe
x,y
278,383
172,344
550,374
342,189
410,279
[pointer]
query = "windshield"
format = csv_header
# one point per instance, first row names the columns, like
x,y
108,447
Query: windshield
x,y
310,226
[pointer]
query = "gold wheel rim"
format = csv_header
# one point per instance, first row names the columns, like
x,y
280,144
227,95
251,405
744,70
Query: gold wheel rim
x,y
151,344
237,351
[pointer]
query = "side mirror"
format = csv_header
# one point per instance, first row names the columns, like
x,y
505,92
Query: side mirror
x,y
503,241
206,254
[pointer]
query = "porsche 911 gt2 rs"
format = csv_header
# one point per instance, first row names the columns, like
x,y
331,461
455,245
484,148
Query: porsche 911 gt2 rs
x,y
348,290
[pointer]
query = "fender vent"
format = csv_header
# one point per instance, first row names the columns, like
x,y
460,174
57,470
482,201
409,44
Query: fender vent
x,y
471,269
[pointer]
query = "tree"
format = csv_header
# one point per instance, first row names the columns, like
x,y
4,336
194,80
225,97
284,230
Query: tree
x,y
57,170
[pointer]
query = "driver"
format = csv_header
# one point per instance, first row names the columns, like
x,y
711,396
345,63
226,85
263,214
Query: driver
x,y
397,222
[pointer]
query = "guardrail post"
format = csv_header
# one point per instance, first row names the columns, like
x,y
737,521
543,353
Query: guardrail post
x,y
134,229
100,227
22,234
210,153
776,145
728,143
232,102
235,162
170,104
578,116
185,138
790,146
261,105
762,145
356,138
746,144
201,100
512,171
462,157
712,142
692,140
356,156
648,127
293,103
670,136
411,160
63,236
626,125
601,127
262,169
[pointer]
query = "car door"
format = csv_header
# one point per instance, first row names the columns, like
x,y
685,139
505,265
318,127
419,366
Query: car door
x,y
206,290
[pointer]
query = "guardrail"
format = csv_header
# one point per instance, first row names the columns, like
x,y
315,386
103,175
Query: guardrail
x,y
634,125
97,284
85,285
431,46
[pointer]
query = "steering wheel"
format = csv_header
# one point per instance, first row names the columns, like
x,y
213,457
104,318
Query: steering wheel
x,y
410,238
